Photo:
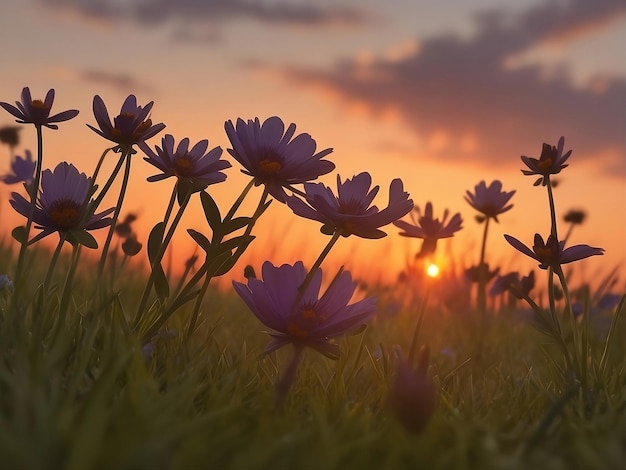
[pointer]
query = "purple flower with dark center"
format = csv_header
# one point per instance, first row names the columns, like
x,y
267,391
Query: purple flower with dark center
x,y
304,318
37,112
350,212
489,200
429,228
270,155
551,162
193,165
22,170
62,205
512,282
553,253
130,127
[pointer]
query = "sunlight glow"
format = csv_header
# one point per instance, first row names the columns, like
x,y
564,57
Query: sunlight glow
x,y
432,270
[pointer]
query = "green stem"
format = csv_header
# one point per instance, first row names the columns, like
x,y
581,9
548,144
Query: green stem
x,y
482,273
418,327
552,211
288,377
53,261
579,353
318,263
196,307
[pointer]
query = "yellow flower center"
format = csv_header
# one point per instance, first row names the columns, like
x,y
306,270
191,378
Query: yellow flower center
x,y
295,330
65,214
269,167
545,164
543,252
183,165
38,104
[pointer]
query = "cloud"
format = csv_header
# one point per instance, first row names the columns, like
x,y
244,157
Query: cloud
x,y
151,12
119,81
461,100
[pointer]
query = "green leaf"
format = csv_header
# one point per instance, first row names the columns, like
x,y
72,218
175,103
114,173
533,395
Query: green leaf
x,y
200,239
19,233
241,242
235,224
82,237
155,240
211,211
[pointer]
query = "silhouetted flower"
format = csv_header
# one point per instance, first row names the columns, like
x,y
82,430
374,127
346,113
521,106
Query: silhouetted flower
x,y
350,212
131,246
511,282
6,283
551,162
473,272
490,201
130,127
37,112
574,217
123,228
270,155
553,253
412,394
196,167
10,135
429,228
304,318
62,205
23,170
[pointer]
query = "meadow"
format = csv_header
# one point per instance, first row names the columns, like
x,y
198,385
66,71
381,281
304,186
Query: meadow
x,y
108,366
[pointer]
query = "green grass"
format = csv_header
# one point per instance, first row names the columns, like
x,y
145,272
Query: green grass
x,y
87,397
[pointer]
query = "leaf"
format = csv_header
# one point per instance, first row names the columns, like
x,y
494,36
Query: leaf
x,y
155,239
211,211
200,239
19,233
235,224
82,237
241,242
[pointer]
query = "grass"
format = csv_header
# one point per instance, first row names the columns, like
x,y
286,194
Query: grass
x,y
89,397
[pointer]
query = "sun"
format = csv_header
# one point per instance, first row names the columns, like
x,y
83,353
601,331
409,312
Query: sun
x,y
432,270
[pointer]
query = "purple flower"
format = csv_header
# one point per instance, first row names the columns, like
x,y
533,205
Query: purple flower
x,y
304,318
429,228
412,394
37,112
270,155
474,273
551,162
23,170
553,253
130,127
490,201
62,205
195,166
350,213
512,282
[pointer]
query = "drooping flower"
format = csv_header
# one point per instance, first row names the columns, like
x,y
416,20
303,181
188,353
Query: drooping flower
x,y
474,273
430,229
412,394
63,206
131,126
551,162
193,166
490,200
304,318
350,213
511,282
37,112
22,170
270,155
553,253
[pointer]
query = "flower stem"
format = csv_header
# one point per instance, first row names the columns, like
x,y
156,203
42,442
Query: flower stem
x,y
552,210
53,261
418,327
481,297
318,263
286,381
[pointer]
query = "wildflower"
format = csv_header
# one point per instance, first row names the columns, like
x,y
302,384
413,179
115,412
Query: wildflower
x,y
474,273
412,394
551,162
553,253
575,217
490,201
10,135
23,170
520,288
130,127
37,112
123,229
198,168
62,204
303,318
5,283
131,246
270,155
350,212
429,228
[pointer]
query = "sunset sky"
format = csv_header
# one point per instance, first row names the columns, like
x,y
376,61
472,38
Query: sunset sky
x,y
442,94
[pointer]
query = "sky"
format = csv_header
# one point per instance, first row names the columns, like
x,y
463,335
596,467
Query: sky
x,y
441,94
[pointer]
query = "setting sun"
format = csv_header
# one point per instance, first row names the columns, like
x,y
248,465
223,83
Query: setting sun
x,y
432,270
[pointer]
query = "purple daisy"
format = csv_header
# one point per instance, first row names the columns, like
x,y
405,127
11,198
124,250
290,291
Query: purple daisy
x,y
130,127
553,253
304,318
62,205
193,165
270,155
489,200
551,161
350,212
37,112
22,170
430,229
